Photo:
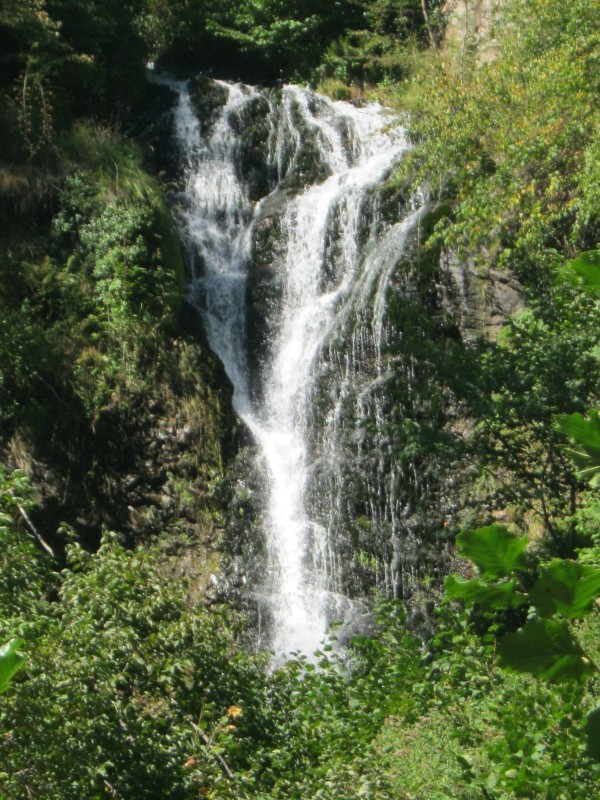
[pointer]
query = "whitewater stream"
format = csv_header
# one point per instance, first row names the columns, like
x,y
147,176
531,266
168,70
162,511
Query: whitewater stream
x,y
320,163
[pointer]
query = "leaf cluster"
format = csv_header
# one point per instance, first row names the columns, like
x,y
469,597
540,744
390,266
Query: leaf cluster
x,y
513,141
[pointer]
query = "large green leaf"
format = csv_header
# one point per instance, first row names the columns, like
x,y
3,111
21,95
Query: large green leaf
x,y
585,270
488,595
545,649
592,734
10,661
494,550
567,588
585,433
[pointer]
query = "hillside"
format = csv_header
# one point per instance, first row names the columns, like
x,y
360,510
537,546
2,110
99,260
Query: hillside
x,y
436,416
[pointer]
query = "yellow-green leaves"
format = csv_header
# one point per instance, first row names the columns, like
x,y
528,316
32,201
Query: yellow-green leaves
x,y
585,271
488,595
514,140
544,647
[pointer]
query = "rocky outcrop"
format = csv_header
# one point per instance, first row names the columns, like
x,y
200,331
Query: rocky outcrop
x,y
264,288
470,24
147,467
478,300
208,96
256,171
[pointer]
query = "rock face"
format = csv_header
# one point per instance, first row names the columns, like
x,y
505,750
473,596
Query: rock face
x,y
265,287
208,97
255,168
149,465
471,24
478,301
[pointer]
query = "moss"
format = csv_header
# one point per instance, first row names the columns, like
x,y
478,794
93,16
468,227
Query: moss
x,y
255,130
308,167
207,97
335,88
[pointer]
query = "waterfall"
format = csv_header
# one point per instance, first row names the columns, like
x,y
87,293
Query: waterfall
x,y
307,171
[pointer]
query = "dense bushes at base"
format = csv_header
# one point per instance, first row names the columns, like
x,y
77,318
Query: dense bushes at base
x,y
129,692
123,687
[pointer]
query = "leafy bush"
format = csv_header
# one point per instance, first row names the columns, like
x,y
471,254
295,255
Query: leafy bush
x,y
126,689
25,572
512,141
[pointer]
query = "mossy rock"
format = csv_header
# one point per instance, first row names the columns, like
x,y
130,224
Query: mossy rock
x,y
207,97
254,163
264,297
308,168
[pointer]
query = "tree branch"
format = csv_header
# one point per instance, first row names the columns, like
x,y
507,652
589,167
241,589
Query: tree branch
x,y
222,763
35,531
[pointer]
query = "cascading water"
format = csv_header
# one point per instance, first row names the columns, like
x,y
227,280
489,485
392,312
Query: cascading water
x,y
312,167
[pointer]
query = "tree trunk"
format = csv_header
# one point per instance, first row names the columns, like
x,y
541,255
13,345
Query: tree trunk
x,y
432,40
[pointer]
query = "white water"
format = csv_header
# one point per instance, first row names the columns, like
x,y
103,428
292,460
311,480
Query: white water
x,y
333,272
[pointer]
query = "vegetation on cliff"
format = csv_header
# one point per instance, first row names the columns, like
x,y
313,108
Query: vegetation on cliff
x,y
130,688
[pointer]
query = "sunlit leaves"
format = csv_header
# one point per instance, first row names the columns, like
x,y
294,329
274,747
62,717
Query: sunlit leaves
x,y
493,549
488,595
119,672
10,661
585,452
531,112
585,270
566,588
545,649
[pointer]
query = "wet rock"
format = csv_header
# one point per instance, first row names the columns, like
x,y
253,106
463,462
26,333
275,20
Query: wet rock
x,y
360,625
208,97
254,163
307,166
264,290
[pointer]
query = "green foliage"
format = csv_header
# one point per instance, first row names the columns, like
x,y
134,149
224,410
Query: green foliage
x,y
476,730
25,572
511,140
347,40
592,729
494,550
10,661
566,588
94,307
128,690
63,59
585,271
122,682
545,649
381,48
488,596
585,433
266,39
544,365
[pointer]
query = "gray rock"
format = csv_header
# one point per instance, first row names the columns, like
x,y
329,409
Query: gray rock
x,y
479,300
